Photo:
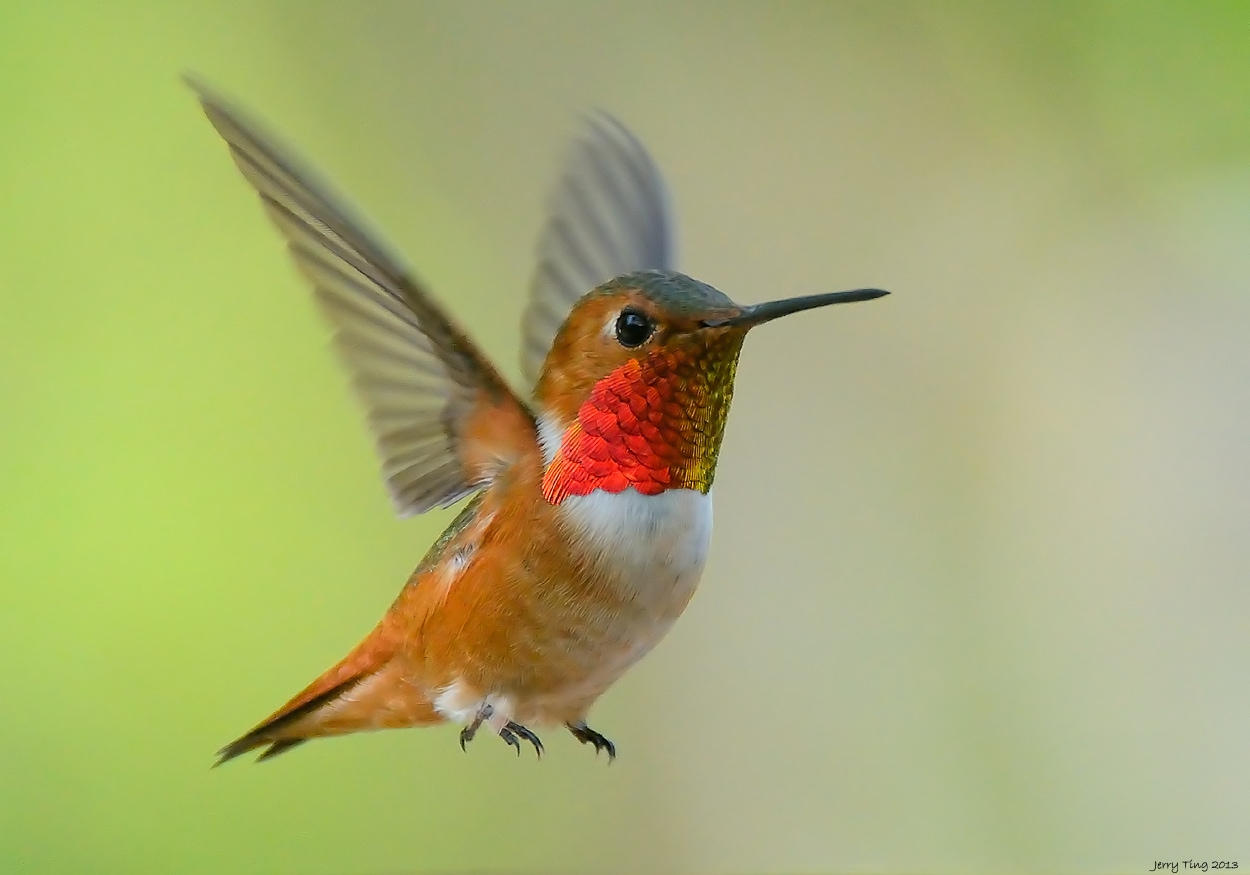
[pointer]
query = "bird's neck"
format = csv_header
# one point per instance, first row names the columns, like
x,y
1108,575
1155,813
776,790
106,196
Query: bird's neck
x,y
653,425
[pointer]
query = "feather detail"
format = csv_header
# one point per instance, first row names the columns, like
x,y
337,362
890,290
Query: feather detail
x,y
609,215
444,422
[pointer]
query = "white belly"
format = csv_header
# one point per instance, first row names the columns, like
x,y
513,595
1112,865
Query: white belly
x,y
653,548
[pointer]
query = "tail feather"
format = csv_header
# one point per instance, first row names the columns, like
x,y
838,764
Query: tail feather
x,y
279,747
270,732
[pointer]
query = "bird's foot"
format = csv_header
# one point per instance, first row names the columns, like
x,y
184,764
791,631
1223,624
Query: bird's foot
x,y
512,731
586,735
466,734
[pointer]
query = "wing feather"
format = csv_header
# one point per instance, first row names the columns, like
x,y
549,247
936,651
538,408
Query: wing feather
x,y
426,389
608,216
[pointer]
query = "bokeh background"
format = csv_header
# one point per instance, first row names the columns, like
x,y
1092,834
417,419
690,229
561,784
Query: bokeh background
x,y
978,593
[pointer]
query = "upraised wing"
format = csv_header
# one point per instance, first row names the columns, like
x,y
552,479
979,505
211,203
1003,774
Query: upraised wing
x,y
608,216
444,422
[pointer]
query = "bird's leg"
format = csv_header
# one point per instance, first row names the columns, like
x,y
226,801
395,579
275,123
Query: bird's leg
x,y
466,734
586,735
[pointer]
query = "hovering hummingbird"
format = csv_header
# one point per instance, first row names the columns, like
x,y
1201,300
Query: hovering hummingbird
x,y
591,513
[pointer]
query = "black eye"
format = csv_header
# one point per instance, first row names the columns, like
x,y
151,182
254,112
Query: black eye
x,y
633,328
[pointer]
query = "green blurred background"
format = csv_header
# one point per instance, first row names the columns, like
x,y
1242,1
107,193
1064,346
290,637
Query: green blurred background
x,y
978,592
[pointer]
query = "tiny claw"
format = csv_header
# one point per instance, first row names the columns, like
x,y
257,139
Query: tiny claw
x,y
466,734
586,735
506,735
521,731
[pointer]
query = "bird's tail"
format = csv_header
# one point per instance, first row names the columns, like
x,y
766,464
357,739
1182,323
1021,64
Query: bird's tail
x,y
367,690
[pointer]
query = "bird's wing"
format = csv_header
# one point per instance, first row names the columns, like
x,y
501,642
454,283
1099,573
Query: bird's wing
x,y
608,216
444,422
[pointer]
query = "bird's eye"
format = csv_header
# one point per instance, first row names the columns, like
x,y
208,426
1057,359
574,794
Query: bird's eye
x,y
633,328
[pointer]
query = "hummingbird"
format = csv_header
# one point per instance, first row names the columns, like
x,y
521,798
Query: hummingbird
x,y
590,512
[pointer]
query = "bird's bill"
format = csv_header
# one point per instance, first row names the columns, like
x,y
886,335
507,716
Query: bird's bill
x,y
757,314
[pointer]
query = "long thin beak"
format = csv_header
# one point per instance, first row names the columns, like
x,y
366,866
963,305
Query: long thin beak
x,y
757,314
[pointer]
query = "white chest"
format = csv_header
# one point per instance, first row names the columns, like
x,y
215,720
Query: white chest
x,y
657,545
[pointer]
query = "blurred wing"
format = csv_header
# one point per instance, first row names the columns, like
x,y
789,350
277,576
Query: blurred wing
x,y
444,422
608,216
